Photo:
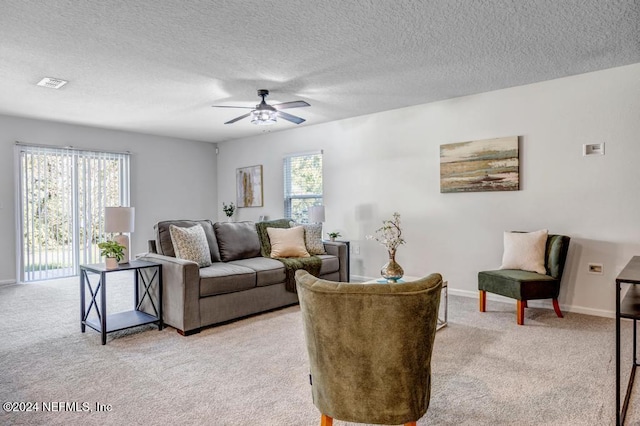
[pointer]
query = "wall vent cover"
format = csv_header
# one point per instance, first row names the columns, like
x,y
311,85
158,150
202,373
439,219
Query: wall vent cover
x,y
52,83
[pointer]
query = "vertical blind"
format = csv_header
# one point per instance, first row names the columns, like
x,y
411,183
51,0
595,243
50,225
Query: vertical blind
x,y
63,193
302,184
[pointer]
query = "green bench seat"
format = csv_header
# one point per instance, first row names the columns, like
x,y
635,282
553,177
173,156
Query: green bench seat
x,y
525,285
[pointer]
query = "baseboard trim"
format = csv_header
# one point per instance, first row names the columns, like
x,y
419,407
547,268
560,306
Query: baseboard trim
x,y
7,282
545,304
359,279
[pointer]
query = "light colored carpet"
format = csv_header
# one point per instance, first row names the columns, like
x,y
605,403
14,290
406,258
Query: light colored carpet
x,y
486,369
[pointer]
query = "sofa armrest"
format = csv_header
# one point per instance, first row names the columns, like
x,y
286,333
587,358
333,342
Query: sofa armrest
x,y
181,291
339,249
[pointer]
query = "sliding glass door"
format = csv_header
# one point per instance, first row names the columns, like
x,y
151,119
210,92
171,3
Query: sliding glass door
x,y
62,196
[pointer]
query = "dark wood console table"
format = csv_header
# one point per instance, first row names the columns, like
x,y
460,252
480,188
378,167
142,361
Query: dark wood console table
x,y
628,307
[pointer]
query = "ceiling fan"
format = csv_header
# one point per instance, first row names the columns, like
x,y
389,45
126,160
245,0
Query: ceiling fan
x,y
265,114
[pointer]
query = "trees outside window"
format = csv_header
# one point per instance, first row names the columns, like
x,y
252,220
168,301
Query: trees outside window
x,y
63,194
302,185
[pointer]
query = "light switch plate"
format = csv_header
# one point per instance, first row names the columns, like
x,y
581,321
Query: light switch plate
x,y
593,149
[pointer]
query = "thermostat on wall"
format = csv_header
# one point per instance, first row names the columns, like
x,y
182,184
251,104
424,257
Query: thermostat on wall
x,y
593,149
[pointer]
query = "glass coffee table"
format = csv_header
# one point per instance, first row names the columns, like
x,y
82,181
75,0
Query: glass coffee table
x,y
444,298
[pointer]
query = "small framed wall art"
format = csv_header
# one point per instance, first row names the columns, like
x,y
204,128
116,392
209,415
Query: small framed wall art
x,y
249,186
484,165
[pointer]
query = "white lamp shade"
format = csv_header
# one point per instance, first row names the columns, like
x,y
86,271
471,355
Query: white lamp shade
x,y
316,214
119,219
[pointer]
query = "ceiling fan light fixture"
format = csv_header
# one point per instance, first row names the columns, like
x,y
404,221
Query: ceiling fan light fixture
x,y
265,114
263,117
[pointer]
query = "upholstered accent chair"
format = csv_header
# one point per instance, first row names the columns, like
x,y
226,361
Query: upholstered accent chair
x,y
526,285
369,347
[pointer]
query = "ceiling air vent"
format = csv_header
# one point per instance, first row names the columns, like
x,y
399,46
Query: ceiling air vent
x,y
52,83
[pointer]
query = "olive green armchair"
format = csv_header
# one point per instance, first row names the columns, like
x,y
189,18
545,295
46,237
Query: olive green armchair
x,y
369,347
525,285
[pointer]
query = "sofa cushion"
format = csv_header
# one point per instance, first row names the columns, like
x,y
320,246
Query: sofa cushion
x,y
237,240
312,237
220,278
191,244
519,284
163,236
287,242
330,264
261,228
268,271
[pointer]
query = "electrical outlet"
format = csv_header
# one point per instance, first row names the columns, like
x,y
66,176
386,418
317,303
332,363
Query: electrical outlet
x,y
596,268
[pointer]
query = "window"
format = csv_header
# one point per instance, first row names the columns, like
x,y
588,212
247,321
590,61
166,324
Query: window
x,y
302,184
62,196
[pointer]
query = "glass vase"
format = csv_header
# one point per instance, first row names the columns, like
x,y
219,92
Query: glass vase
x,y
392,271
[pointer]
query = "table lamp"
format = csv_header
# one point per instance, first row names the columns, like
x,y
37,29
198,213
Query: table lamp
x,y
316,214
119,220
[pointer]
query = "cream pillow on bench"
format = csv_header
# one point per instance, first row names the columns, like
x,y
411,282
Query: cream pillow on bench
x,y
525,251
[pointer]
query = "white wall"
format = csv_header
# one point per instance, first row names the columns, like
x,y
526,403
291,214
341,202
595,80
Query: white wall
x,y
385,162
170,178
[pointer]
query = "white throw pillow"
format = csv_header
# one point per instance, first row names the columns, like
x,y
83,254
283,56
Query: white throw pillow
x,y
525,250
287,242
191,244
312,237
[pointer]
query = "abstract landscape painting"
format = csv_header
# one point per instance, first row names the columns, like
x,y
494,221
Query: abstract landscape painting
x,y
484,165
249,186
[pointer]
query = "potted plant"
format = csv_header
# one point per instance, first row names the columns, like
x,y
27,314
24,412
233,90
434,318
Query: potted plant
x,y
333,235
228,210
113,252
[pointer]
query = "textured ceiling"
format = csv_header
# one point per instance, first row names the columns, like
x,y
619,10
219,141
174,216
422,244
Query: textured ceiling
x,y
157,66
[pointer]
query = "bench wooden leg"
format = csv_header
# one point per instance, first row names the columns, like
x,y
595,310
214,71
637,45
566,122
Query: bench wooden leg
x,y
326,420
520,311
556,308
483,300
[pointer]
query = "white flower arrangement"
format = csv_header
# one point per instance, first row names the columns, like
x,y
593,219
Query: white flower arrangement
x,y
390,234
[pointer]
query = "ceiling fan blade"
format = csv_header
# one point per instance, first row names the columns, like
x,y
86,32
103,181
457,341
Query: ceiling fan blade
x,y
238,118
292,104
225,106
291,118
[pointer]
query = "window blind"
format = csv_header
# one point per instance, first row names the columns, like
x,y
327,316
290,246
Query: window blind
x,y
302,184
62,196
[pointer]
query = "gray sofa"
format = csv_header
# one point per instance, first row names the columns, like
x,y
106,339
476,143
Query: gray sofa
x,y
240,281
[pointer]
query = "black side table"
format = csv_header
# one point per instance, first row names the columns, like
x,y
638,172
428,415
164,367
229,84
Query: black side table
x,y
348,244
627,307
108,323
